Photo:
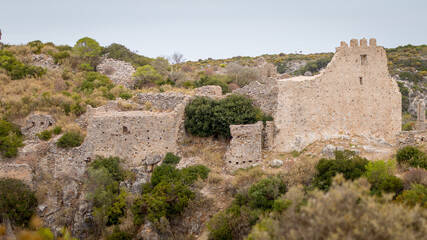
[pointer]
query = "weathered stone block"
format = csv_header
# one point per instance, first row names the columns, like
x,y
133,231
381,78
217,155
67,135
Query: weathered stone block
x,y
245,145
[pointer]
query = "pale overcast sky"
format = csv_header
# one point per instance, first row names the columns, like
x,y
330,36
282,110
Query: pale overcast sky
x,y
217,29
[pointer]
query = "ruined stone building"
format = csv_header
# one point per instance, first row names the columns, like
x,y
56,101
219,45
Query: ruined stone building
x,y
354,95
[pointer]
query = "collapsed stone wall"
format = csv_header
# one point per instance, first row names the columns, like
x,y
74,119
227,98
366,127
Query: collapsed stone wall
x,y
411,138
36,123
245,145
44,61
263,95
353,95
211,91
17,171
120,72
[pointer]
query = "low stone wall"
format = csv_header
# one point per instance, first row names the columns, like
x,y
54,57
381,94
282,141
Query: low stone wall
x,y
245,145
411,138
209,91
161,101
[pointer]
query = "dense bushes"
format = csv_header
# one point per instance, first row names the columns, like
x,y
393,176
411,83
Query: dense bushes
x,y
146,74
17,201
417,195
237,220
168,194
381,175
346,211
109,201
16,69
47,134
347,163
95,80
70,139
412,156
171,158
10,139
206,117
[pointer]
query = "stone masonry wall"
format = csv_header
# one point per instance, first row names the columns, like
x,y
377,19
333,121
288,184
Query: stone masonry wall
x,y
263,95
161,101
353,95
245,145
120,72
141,137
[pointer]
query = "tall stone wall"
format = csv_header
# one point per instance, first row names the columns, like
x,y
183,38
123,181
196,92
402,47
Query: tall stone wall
x,y
353,95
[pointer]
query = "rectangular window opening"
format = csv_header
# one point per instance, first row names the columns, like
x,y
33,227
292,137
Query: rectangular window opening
x,y
361,80
364,60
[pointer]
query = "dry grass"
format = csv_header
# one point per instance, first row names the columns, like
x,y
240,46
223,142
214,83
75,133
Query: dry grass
x,y
302,171
21,52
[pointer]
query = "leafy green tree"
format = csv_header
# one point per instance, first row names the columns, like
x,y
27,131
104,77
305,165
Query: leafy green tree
x,y
146,74
112,164
17,201
87,48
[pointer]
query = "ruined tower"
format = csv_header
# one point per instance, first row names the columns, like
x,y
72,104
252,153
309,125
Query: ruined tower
x,y
354,95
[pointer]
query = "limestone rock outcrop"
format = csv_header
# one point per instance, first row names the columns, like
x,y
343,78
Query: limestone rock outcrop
x,y
120,72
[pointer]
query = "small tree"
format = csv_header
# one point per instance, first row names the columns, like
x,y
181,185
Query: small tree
x,y
88,49
17,201
146,74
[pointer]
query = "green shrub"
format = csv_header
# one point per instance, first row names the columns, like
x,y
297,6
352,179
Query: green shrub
x,y
412,156
112,164
125,96
188,85
314,66
119,235
86,67
417,195
168,194
263,194
60,55
44,135
10,139
171,158
146,74
57,130
380,175
347,163
95,80
219,228
17,201
217,80
16,69
70,139
206,117
236,221
117,209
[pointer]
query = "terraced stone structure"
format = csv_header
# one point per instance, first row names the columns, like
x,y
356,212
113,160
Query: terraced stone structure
x,y
354,95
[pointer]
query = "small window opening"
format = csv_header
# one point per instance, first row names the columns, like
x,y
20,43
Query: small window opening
x,y
361,80
229,161
364,60
125,130
237,163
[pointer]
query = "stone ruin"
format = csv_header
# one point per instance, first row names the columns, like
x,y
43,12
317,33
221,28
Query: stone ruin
x,y
354,95
120,72
245,145
419,134
36,123
211,91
